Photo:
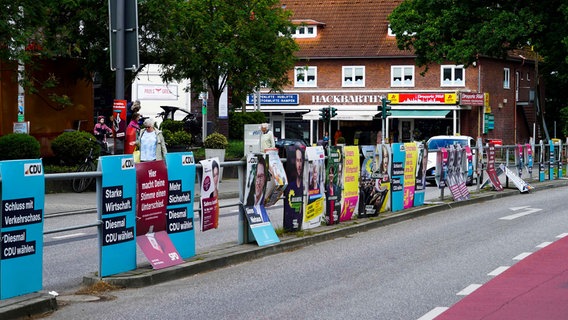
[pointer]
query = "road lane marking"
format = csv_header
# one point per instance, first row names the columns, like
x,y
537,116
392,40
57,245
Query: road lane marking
x,y
498,271
73,235
544,244
562,235
469,289
433,313
527,211
522,256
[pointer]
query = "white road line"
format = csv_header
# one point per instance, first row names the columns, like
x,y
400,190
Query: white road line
x,y
520,214
469,289
433,313
73,235
498,271
522,256
562,235
544,244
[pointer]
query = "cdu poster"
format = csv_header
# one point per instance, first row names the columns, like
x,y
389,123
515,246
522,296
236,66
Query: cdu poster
x,y
116,202
253,209
294,194
397,174
151,202
315,206
333,185
411,156
350,182
209,194
421,166
21,260
179,212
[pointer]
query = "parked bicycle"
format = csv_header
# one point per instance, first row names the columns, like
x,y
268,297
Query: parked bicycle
x,y
81,184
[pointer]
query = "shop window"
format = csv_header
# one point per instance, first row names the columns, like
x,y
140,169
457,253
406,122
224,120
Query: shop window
x,y
452,76
353,76
305,77
402,76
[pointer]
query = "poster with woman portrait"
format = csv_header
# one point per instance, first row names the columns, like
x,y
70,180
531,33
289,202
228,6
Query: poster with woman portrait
x,y
421,166
294,194
209,194
350,182
382,174
315,206
333,185
410,159
277,180
253,209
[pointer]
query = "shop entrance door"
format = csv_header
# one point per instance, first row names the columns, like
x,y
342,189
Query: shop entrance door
x,y
406,128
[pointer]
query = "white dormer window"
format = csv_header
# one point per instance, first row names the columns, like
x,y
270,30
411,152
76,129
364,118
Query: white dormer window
x,y
452,76
353,76
305,32
305,77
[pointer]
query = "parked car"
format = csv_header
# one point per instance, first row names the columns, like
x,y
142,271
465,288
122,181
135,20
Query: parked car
x,y
437,142
281,144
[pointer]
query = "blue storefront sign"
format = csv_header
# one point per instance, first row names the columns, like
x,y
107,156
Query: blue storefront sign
x,y
276,99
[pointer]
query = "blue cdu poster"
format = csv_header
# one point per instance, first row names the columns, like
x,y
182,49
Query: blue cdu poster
x,y
23,195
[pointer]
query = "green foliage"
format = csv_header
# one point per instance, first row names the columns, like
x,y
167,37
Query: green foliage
x,y
216,141
73,147
19,146
237,120
176,138
171,125
341,140
235,150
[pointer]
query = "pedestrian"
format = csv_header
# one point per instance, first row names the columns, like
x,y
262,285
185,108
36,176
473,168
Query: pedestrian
x,y
132,132
151,142
101,131
337,136
267,138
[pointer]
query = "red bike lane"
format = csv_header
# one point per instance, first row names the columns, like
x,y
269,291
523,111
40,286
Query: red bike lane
x,y
535,288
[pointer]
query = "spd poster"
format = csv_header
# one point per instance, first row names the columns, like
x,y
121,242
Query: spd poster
x,y
421,166
294,194
350,182
315,207
410,160
397,182
333,185
209,194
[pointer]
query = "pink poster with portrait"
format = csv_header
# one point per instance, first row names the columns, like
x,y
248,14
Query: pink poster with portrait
x,y
209,194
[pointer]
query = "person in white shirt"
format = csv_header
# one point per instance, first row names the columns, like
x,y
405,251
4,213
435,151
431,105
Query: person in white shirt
x,y
266,139
151,142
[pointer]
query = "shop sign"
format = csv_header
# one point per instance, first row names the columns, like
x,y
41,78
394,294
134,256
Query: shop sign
x,y
275,99
472,99
423,98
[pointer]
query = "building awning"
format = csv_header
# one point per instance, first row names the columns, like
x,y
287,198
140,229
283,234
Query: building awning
x,y
419,114
344,115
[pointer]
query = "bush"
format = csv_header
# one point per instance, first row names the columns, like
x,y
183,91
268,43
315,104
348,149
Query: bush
x,y
171,125
216,141
73,147
176,138
237,121
19,146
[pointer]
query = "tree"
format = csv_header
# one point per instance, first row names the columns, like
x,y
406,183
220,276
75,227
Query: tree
x,y
218,43
462,31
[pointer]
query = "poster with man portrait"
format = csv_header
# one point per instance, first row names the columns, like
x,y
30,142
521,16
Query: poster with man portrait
x,y
421,166
381,172
294,194
253,209
210,194
368,195
315,207
277,180
333,185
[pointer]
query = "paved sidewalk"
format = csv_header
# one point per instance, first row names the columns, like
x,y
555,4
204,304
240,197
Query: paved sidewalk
x,y
228,254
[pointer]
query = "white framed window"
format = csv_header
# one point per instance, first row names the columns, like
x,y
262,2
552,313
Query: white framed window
x,y
506,78
402,76
305,32
353,76
452,76
306,77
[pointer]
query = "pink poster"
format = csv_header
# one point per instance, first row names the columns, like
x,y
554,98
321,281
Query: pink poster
x,y
151,196
410,160
209,194
159,249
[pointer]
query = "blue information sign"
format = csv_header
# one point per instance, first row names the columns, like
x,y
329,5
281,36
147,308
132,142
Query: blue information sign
x,y
21,231
275,99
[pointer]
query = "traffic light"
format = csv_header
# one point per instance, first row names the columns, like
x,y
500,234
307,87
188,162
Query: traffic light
x,y
333,112
324,114
385,112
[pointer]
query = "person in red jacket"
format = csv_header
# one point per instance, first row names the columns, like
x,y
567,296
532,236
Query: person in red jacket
x,y
132,132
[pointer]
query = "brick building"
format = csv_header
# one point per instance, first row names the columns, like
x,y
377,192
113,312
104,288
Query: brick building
x,y
348,59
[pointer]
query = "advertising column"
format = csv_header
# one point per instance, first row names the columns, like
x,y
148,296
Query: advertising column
x,y
21,261
116,203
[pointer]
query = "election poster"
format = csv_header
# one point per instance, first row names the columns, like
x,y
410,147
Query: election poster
x,y
491,170
253,209
333,185
294,194
382,172
411,157
23,194
116,202
151,203
350,182
277,180
421,166
368,186
181,191
315,206
397,174
209,194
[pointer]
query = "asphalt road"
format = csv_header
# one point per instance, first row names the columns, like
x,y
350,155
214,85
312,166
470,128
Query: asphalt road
x,y
400,271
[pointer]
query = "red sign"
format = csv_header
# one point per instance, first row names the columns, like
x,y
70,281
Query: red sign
x,y
422,98
151,196
472,99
